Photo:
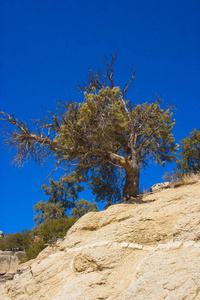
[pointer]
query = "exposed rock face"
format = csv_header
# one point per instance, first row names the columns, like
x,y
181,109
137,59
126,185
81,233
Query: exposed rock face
x,y
9,260
130,251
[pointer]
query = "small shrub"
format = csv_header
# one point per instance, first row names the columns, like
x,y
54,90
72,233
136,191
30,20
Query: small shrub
x,y
53,229
34,249
35,240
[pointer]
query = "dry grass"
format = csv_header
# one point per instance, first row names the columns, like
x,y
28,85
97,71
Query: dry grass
x,y
144,191
186,179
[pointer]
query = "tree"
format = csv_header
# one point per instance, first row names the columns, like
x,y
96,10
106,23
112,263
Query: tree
x,y
104,130
63,196
189,161
46,211
83,207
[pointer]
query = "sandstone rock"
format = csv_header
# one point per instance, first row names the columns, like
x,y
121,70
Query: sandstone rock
x,y
171,274
9,260
1,233
129,251
160,186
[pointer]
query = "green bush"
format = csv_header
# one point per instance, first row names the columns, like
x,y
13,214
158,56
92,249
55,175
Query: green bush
x,y
34,249
35,240
53,229
15,242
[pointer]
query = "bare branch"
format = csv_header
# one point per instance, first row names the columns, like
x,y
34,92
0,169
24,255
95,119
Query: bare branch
x,y
56,168
110,68
29,143
127,85
100,79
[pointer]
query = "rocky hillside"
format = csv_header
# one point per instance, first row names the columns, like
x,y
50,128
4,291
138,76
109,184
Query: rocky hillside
x,y
148,250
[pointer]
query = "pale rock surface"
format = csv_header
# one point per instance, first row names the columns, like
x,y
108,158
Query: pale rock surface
x,y
160,186
9,260
142,251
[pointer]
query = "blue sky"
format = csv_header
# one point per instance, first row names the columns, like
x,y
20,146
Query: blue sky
x,y
47,48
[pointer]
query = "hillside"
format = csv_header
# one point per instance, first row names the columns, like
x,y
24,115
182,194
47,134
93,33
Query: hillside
x,y
145,250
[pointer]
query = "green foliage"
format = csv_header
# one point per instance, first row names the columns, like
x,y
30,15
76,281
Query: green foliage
x,y
189,161
46,211
94,124
15,242
154,133
64,191
47,233
51,230
104,123
106,133
106,183
82,208
62,198
34,249
35,240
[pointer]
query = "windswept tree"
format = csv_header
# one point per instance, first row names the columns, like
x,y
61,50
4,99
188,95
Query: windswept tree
x,y
106,129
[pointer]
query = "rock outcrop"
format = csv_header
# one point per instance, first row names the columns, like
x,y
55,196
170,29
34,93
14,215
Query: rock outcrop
x,y
9,260
160,186
142,251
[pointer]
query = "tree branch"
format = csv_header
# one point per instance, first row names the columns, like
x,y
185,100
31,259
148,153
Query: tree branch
x,y
26,141
126,86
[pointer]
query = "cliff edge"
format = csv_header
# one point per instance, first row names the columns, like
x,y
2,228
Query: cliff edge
x,y
148,250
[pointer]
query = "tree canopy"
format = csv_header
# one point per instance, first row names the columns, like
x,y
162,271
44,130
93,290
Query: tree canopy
x,y
102,135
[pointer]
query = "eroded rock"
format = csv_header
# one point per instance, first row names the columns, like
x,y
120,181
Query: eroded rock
x,y
129,251
9,260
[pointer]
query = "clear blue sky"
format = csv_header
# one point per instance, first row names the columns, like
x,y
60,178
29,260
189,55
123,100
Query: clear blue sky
x,y
46,49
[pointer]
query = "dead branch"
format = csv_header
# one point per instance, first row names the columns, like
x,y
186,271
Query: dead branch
x,y
127,85
29,143
104,78
100,79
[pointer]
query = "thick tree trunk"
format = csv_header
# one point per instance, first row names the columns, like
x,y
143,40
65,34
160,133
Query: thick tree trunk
x,y
130,165
131,187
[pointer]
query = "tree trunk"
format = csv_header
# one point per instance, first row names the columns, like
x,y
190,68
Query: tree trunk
x,y
131,187
130,165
